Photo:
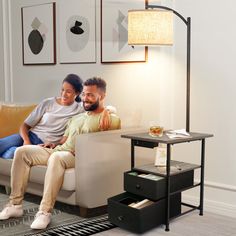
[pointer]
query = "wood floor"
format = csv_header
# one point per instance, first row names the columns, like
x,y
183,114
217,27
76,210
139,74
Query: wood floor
x,y
188,225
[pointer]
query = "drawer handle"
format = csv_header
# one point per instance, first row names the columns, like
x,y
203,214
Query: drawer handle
x,y
138,186
120,218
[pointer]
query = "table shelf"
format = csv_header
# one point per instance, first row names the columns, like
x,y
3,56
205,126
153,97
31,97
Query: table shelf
x,y
176,167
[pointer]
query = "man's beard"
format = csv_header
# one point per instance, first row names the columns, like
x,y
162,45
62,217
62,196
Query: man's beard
x,y
92,107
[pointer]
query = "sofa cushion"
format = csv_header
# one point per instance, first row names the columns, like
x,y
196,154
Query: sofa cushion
x,y
12,116
37,174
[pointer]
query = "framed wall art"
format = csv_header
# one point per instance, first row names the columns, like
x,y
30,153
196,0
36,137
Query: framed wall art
x,y
38,34
114,32
77,31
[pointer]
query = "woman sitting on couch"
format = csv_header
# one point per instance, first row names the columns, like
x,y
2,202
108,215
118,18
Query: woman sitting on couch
x,y
46,124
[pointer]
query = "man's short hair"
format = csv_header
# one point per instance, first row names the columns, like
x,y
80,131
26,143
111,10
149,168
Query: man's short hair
x,y
99,82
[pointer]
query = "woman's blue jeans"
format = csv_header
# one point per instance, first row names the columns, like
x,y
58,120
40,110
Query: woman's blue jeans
x,y
9,144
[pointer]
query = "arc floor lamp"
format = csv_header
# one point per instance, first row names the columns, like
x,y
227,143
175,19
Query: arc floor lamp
x,y
154,26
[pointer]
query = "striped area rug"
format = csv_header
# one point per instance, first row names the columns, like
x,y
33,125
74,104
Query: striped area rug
x,y
63,222
83,227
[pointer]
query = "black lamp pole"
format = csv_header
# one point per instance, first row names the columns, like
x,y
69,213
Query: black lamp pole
x,y
188,24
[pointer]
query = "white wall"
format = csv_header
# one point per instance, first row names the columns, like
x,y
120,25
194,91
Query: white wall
x,y
2,82
156,90
212,94
132,88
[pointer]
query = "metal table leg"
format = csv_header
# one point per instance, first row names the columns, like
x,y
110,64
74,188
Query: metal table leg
x,y
168,187
132,153
202,176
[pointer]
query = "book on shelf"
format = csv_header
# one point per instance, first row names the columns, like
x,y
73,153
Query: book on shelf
x,y
150,176
180,133
133,173
141,204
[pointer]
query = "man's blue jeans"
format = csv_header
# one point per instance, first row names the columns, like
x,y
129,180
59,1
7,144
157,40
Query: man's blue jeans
x,y
9,144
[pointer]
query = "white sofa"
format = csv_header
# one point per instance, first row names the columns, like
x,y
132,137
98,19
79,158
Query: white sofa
x,y
101,160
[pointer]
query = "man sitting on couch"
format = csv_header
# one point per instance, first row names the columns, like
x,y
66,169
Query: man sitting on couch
x,y
58,158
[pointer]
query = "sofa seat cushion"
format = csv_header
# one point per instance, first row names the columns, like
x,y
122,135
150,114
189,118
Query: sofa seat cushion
x,y
12,116
37,174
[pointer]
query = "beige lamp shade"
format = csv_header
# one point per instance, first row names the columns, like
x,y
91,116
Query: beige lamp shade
x,y
150,27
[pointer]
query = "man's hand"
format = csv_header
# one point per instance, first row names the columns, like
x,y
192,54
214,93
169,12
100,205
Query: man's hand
x,y
105,121
48,145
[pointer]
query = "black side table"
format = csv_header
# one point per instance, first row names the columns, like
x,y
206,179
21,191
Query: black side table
x,y
145,140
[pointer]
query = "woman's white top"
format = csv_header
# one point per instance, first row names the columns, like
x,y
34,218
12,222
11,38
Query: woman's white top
x,y
48,120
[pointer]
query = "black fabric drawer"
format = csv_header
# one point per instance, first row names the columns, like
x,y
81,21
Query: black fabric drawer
x,y
140,220
156,189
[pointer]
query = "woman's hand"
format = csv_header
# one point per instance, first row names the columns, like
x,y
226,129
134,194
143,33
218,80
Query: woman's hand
x,y
24,133
48,145
27,142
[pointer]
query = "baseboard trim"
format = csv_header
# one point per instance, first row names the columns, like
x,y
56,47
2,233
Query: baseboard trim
x,y
211,184
213,206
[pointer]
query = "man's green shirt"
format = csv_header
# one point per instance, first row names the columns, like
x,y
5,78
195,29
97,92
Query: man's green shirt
x,y
84,123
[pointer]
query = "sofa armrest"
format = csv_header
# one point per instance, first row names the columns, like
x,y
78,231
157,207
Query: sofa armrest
x,y
101,160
